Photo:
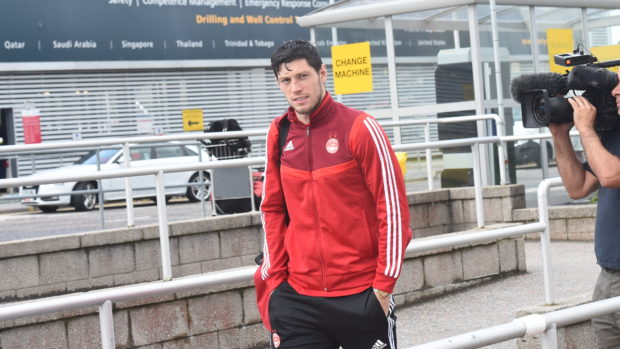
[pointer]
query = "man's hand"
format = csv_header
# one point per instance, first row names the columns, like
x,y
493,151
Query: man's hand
x,y
583,113
560,129
384,300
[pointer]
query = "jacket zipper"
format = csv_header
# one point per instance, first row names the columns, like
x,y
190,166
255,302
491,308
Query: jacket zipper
x,y
314,211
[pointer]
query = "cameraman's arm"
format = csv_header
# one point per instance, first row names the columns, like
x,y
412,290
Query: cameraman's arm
x,y
605,165
577,181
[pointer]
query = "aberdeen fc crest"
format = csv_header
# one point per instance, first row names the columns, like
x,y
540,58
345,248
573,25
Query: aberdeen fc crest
x,y
332,145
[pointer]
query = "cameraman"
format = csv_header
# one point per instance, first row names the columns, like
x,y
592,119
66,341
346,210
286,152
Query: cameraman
x,y
600,171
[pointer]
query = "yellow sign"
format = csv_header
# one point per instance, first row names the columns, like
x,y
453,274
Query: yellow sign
x,y
352,68
192,120
606,53
559,41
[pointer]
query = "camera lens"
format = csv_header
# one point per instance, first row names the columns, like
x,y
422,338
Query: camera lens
x,y
548,110
539,110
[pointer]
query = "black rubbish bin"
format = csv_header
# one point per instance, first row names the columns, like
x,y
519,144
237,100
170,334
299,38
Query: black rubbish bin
x,y
227,148
231,186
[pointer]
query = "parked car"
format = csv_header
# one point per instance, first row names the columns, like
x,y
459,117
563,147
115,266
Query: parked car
x,y
528,153
50,196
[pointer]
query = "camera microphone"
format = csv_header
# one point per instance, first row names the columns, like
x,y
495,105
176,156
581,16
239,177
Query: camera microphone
x,y
542,95
554,83
583,77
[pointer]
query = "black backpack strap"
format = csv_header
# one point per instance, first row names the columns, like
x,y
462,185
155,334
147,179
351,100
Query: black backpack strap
x,y
285,123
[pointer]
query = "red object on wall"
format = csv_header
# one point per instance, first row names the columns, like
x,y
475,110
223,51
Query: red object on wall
x,y
32,129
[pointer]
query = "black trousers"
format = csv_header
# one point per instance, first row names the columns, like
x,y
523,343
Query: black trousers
x,y
351,322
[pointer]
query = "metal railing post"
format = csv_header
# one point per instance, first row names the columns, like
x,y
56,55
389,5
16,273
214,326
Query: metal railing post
x,y
201,179
252,201
128,189
544,158
203,192
502,158
545,236
549,339
106,324
100,192
164,240
475,151
212,198
429,158
393,84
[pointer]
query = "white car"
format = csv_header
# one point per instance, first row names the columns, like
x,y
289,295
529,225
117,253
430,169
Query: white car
x,y
48,197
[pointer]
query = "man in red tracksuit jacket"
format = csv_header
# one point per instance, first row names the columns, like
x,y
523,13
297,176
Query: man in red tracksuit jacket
x,y
335,216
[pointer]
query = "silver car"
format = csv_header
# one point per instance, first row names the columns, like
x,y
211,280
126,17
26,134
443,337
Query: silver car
x,y
48,197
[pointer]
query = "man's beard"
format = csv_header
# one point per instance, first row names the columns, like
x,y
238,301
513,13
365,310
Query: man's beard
x,y
314,107
308,110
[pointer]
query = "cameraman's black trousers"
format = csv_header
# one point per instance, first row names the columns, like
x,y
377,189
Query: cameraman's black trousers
x,y
353,322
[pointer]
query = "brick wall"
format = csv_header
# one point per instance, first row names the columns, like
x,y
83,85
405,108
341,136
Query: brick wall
x,y
448,210
574,222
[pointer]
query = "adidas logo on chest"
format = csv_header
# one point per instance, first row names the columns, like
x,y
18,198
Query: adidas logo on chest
x,y
289,146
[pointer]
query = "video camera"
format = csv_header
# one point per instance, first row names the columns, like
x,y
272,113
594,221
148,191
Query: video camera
x,y
542,95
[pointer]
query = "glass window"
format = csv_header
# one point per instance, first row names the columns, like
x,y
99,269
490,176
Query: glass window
x,y
169,151
142,153
91,158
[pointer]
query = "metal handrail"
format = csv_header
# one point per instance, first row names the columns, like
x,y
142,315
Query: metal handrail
x,y
90,143
531,325
516,329
11,150
133,171
104,298
46,305
491,335
161,202
125,293
96,191
545,325
535,136
128,171
82,144
439,242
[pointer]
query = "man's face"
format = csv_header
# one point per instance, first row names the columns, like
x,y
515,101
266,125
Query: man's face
x,y
302,86
616,93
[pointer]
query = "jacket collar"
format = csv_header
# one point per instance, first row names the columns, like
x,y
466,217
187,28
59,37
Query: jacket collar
x,y
317,116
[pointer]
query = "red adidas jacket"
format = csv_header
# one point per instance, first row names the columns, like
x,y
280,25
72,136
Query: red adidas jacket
x,y
344,226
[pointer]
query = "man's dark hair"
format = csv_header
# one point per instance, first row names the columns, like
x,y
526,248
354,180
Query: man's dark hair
x,y
293,50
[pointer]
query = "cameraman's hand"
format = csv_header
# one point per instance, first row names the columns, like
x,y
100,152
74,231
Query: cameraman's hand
x,y
560,129
583,113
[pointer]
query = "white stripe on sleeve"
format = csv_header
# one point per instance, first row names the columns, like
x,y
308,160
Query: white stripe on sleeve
x,y
266,261
393,214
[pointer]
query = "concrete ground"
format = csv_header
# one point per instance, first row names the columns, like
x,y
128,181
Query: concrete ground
x,y
574,273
